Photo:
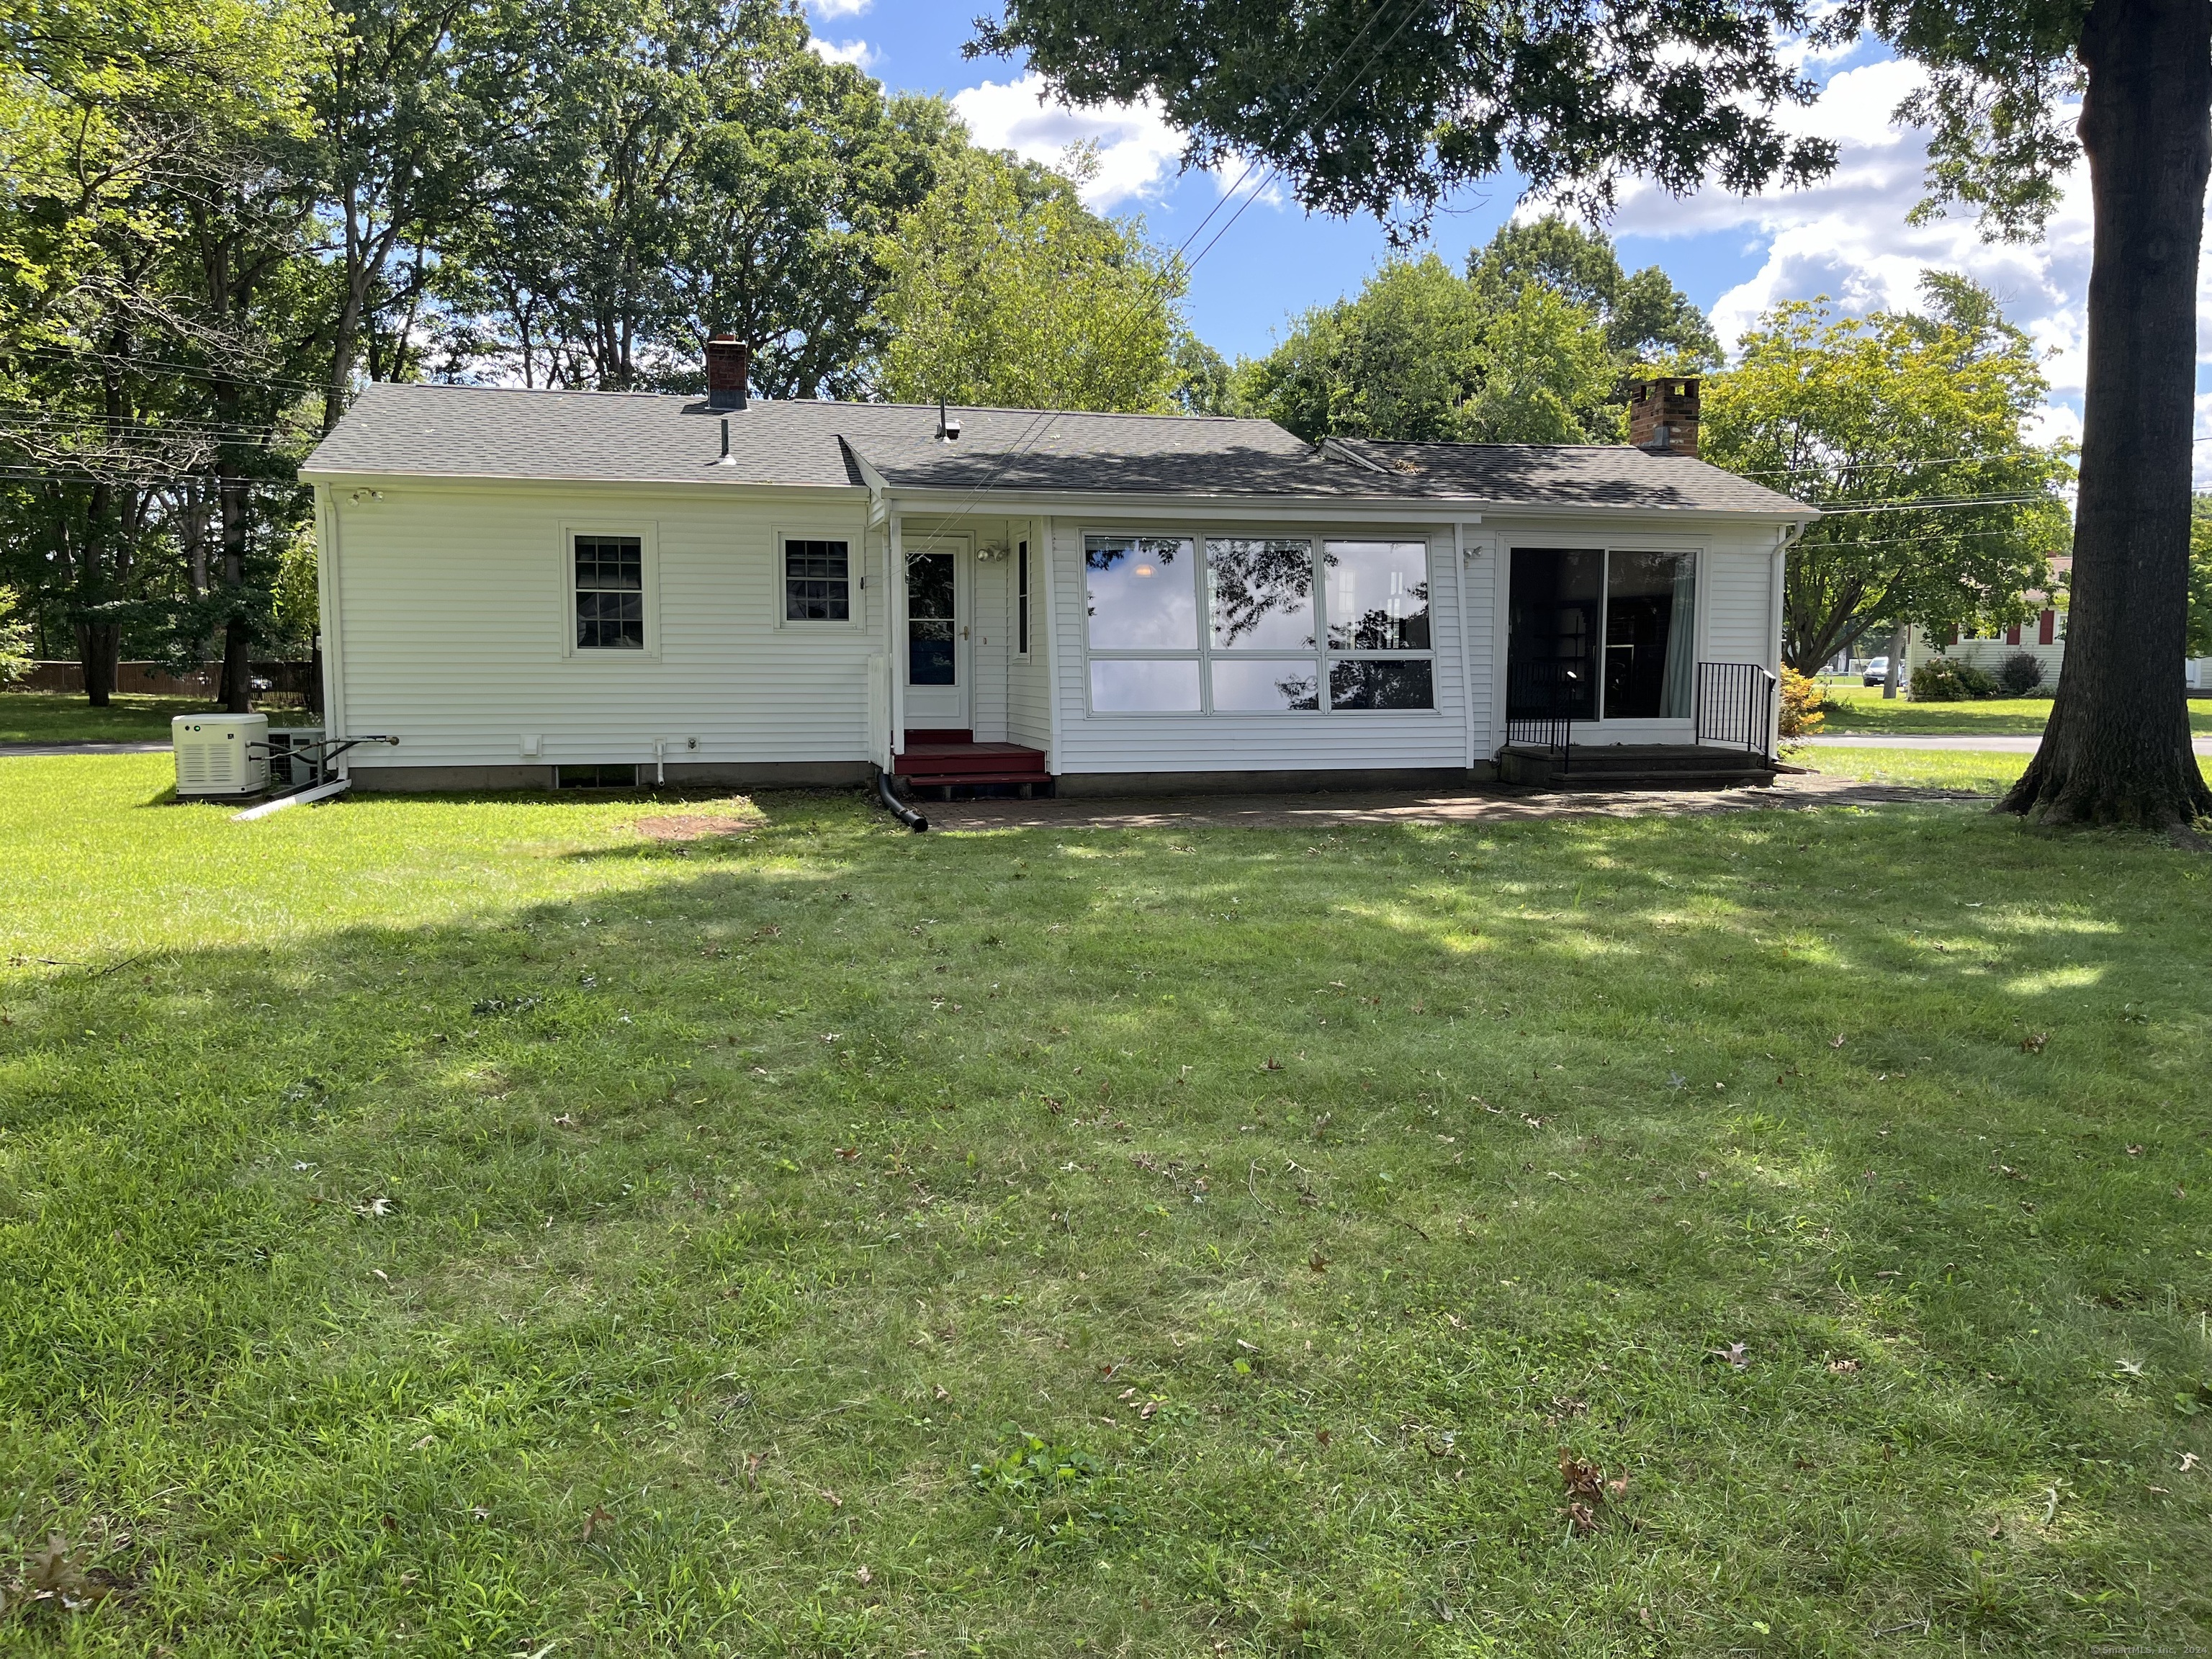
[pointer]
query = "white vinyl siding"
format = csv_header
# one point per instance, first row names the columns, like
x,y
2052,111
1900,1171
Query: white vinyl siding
x,y
454,608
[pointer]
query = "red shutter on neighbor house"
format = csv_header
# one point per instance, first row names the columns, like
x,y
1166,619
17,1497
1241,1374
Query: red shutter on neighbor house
x,y
2047,628
2012,634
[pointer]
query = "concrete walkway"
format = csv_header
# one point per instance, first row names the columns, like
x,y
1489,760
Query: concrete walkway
x,y
1991,743
1496,804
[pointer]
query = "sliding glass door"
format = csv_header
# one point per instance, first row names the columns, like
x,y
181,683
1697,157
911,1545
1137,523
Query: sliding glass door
x,y
1601,633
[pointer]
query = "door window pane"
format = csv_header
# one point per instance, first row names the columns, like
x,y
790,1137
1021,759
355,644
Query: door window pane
x,y
1378,595
1381,682
1142,592
1650,600
931,617
1260,593
1551,633
1255,684
1138,687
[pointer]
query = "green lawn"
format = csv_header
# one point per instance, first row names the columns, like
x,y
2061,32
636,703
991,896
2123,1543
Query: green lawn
x,y
1988,772
55,717
447,1226
1861,708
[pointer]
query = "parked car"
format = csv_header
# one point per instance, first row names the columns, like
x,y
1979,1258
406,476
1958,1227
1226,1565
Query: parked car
x,y
1877,671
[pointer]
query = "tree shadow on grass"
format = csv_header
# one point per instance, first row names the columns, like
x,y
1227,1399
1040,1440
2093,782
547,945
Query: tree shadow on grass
x,y
400,1250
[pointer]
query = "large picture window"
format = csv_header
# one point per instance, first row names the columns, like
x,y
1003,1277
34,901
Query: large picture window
x,y
1257,624
610,593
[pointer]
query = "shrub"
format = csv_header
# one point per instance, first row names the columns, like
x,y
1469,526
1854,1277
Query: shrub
x,y
2019,674
15,640
1941,680
1802,703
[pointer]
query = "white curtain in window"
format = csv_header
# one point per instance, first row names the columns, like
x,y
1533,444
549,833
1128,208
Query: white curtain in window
x,y
1675,702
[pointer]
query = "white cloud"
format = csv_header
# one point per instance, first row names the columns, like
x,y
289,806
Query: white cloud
x,y
1848,237
859,54
1139,153
828,8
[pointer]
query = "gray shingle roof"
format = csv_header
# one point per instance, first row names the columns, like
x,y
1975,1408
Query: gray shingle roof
x,y
452,431
1563,475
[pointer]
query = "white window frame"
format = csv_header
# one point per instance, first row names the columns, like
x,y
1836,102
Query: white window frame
x,y
1025,599
856,574
1205,653
1502,643
648,531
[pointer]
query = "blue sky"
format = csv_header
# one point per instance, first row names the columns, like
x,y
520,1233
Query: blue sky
x,y
1735,257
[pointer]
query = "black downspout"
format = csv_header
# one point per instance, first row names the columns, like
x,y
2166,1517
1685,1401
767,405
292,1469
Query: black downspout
x,y
897,808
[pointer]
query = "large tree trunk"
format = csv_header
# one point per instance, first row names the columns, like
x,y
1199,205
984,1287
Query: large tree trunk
x,y
99,647
237,637
2116,750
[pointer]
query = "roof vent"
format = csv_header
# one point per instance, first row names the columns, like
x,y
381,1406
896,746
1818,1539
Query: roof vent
x,y
729,367
948,426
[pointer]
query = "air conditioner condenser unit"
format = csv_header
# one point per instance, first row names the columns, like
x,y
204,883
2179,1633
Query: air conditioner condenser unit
x,y
221,754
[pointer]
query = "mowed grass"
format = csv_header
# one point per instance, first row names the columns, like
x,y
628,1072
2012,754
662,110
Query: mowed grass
x,y
55,717
1861,708
1988,772
439,1226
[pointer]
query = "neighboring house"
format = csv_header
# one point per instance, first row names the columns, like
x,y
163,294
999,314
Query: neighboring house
x,y
2042,638
531,588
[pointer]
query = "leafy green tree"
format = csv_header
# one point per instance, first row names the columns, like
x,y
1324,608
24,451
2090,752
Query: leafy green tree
x,y
2199,640
1841,411
672,169
1005,290
15,638
155,257
1384,105
1647,320
1423,355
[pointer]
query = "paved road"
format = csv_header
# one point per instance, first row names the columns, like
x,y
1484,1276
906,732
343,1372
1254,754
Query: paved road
x,y
1992,743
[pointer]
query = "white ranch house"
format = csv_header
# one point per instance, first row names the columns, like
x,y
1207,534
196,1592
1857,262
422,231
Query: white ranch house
x,y
528,589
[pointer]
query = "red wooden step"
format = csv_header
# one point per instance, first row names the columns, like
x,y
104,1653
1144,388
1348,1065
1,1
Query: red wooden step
x,y
969,763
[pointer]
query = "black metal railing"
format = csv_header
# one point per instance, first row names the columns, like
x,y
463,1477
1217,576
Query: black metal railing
x,y
1543,701
1735,706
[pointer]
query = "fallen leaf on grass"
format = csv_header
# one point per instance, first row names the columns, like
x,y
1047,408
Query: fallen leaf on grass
x,y
598,1517
1843,1367
565,1121
1735,1354
1837,1041
831,1498
374,1209
939,1390
1147,1410
753,1461
1317,1261
2188,1461
2034,1042
848,1153
2134,1151
56,1576
862,1573
1322,1436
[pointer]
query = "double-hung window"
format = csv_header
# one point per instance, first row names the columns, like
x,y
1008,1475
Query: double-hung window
x,y
610,593
1257,624
818,581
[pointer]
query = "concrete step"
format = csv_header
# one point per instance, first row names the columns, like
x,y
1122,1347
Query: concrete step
x,y
1635,766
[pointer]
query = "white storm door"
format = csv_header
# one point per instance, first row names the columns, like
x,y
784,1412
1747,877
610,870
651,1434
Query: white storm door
x,y
938,661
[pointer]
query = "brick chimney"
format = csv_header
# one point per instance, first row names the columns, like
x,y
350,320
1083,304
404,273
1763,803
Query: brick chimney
x,y
1662,415
728,362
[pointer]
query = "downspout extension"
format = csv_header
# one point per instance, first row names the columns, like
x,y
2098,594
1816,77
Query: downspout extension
x,y
897,808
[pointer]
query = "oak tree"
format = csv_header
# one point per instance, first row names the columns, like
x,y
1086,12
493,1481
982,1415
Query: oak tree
x,y
1384,105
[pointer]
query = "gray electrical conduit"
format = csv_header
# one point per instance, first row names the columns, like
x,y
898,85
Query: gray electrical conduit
x,y
897,808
